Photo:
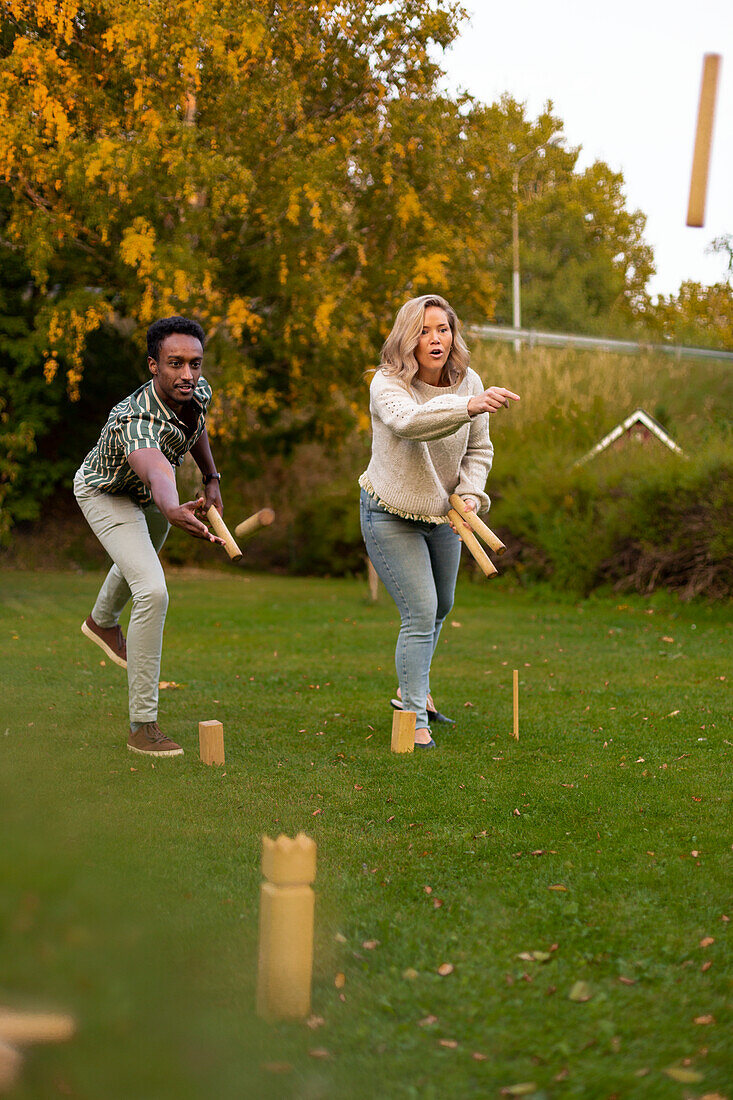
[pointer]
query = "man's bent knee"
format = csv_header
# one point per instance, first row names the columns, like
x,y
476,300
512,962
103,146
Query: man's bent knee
x,y
153,598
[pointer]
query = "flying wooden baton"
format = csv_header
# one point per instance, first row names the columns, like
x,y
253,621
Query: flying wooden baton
x,y
222,531
492,541
247,527
472,543
703,139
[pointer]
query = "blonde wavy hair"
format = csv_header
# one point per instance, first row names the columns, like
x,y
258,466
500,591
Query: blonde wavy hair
x,y
398,352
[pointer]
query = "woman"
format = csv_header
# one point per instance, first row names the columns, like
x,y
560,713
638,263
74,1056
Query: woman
x,y
430,428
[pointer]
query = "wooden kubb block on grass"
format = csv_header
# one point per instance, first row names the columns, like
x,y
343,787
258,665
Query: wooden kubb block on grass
x,y
21,1029
287,906
211,742
403,731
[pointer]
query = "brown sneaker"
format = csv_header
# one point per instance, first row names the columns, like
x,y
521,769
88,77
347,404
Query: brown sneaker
x,y
151,741
108,638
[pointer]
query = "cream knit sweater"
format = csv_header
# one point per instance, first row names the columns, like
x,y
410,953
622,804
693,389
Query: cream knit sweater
x,y
425,446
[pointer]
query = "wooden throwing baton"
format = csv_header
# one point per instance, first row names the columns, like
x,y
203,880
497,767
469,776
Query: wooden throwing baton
x,y
221,529
472,543
247,527
492,541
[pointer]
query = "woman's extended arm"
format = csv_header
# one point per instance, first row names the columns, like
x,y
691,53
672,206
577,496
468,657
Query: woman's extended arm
x,y
407,418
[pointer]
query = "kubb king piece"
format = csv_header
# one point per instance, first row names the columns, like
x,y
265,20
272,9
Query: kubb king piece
x,y
287,905
703,140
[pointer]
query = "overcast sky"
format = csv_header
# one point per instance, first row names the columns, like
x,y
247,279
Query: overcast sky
x,y
625,79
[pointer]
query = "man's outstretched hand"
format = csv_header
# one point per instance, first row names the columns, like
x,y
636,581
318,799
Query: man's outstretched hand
x,y
184,516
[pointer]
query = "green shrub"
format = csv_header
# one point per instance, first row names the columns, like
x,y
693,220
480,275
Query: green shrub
x,y
637,520
327,537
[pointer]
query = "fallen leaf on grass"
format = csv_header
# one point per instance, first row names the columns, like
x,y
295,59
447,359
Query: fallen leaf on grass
x,y
316,812
558,886
369,945
437,903
580,992
410,974
704,1019
454,623
479,1057
163,684
314,1021
706,966
468,704
445,968
428,1021
626,981
277,1067
525,1088
340,981
707,941
340,938
684,1076
319,1052
451,1044
666,638
534,956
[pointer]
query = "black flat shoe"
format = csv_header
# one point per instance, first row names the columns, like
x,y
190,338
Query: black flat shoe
x,y
433,715
429,745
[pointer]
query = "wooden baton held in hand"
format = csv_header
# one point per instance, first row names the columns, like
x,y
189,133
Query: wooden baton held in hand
x,y
263,518
467,536
492,541
221,529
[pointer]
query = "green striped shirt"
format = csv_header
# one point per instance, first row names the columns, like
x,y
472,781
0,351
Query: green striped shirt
x,y
141,421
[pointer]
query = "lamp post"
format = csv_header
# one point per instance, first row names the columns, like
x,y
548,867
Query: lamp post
x,y
516,306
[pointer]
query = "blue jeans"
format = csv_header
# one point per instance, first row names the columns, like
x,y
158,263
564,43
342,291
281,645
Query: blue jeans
x,y
418,565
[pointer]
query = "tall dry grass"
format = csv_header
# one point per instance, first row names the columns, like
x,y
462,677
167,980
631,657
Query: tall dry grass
x,y
570,399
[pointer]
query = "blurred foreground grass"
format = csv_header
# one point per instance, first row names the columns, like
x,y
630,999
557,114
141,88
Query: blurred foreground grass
x,y
602,840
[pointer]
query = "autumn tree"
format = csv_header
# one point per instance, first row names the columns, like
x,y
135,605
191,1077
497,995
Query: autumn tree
x,y
697,316
584,263
288,174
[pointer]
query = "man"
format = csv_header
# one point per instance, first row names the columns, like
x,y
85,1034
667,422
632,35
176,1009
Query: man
x,y
126,488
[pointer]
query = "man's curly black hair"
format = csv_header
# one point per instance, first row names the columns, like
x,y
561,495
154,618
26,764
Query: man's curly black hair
x,y
167,326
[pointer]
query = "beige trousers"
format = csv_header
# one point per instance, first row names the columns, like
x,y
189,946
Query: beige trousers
x,y
132,535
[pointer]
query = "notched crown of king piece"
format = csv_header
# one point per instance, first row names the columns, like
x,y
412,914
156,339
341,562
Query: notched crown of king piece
x,y
289,862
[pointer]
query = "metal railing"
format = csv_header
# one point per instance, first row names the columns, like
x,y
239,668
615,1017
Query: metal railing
x,y
532,339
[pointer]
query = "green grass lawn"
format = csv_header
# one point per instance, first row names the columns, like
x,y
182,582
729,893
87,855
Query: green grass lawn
x,y
603,840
